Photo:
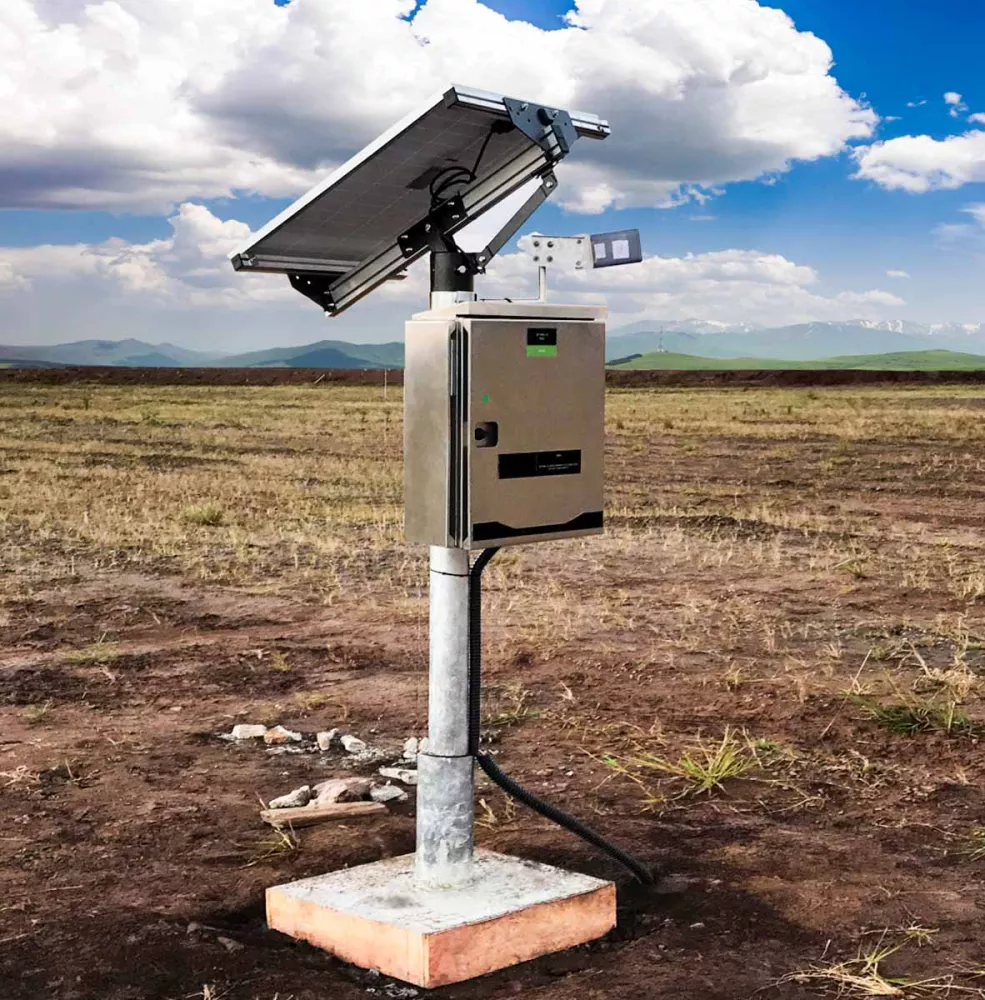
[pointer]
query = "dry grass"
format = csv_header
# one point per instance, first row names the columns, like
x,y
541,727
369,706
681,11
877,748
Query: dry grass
x,y
704,766
865,975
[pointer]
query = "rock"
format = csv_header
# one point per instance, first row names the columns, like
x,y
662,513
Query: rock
x,y
387,793
341,790
278,735
410,748
193,928
405,775
292,800
245,731
671,885
353,744
326,739
422,747
229,944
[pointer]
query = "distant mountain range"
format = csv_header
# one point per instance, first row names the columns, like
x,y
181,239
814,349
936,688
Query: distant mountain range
x,y
802,342
137,354
938,361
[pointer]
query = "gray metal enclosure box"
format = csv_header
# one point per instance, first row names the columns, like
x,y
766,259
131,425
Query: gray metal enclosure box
x,y
504,413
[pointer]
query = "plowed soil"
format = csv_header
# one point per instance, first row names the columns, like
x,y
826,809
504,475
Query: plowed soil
x,y
780,566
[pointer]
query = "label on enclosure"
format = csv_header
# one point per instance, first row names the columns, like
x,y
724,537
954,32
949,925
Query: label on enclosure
x,y
527,464
541,342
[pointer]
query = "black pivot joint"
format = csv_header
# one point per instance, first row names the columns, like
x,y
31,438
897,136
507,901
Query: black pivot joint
x,y
453,270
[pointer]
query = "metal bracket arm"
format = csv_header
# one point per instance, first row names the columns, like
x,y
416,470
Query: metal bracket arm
x,y
548,183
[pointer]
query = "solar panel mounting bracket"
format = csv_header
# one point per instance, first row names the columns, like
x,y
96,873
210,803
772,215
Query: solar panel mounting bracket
x,y
315,286
433,232
551,128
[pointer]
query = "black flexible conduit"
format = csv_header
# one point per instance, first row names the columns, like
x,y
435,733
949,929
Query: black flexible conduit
x,y
488,763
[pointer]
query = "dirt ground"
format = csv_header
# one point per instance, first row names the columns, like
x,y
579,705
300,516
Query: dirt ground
x,y
765,680
118,375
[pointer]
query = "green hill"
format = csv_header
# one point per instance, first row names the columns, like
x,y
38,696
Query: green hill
x,y
324,354
897,361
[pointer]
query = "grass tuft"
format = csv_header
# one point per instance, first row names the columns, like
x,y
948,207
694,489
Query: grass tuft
x,y
916,715
206,515
702,768
34,715
976,844
100,652
864,977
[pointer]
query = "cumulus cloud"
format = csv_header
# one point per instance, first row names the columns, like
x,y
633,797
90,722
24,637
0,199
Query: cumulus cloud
x,y
977,118
137,106
955,103
167,284
189,269
897,274
729,286
918,163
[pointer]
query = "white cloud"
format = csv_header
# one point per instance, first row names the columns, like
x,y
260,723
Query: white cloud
x,y
978,118
977,212
135,106
918,163
897,274
189,269
964,235
182,289
956,105
730,286
916,104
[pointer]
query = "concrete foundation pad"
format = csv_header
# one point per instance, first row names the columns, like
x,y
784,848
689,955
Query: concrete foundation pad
x,y
378,917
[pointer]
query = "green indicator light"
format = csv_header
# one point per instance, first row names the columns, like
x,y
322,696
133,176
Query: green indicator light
x,y
541,351
485,397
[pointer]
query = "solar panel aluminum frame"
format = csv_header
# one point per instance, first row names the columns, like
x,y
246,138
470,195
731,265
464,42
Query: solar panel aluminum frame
x,y
346,279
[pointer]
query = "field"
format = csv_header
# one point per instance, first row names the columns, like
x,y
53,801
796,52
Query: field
x,y
916,361
766,680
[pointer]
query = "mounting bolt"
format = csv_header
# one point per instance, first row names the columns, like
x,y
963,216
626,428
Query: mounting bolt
x,y
549,259
536,243
550,243
536,258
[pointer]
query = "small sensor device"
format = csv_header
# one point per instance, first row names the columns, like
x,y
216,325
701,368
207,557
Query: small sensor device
x,y
612,249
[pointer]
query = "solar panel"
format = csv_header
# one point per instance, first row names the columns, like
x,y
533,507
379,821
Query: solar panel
x,y
438,169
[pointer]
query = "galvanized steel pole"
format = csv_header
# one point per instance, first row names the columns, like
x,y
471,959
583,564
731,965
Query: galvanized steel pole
x,y
445,789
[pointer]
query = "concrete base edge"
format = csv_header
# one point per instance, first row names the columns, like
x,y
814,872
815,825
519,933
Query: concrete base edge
x,y
378,916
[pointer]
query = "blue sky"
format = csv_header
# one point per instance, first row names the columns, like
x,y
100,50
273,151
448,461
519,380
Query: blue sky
x,y
897,57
